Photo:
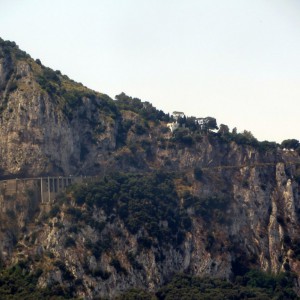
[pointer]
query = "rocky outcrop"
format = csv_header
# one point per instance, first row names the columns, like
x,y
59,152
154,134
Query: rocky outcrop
x,y
258,227
242,207
38,137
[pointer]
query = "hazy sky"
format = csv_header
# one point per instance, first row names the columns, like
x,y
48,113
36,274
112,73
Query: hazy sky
x,y
235,60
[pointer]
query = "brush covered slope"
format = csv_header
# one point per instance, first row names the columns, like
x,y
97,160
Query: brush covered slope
x,y
195,202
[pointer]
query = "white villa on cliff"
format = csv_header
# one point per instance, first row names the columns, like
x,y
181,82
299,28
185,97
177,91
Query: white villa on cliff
x,y
175,125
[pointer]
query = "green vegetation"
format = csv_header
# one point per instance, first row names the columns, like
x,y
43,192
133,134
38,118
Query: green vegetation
x,y
12,86
70,94
144,109
244,138
142,202
7,48
9,52
136,294
18,283
198,173
297,175
54,211
69,242
254,285
211,208
183,136
73,96
99,247
49,81
292,144
65,92
191,131
117,265
191,124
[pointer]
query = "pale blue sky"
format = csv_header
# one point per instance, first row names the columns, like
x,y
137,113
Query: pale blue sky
x,y
235,60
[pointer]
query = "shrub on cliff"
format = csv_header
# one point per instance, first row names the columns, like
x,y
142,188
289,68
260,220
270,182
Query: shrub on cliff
x,y
183,136
290,144
144,109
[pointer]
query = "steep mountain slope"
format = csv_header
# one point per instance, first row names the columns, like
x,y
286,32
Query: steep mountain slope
x,y
48,122
192,201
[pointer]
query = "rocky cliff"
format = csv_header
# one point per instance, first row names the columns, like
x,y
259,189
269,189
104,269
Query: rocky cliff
x,y
193,201
49,124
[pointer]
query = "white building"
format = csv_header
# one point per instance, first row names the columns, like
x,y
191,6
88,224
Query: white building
x,y
178,114
202,122
173,126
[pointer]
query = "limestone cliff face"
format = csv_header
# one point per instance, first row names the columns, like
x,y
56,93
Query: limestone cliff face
x,y
37,135
243,205
257,227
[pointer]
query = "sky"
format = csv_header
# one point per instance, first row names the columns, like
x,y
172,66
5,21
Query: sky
x,y
235,60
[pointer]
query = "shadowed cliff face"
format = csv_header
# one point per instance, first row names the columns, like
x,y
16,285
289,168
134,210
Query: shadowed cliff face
x,y
203,203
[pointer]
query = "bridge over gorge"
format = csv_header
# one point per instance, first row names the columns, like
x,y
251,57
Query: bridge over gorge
x,y
45,188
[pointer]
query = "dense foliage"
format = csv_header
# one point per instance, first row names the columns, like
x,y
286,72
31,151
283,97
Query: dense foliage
x,y
191,131
253,285
145,109
290,144
8,48
18,283
144,202
244,138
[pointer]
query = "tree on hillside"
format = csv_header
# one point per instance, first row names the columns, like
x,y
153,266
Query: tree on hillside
x,y
290,144
248,134
211,123
224,129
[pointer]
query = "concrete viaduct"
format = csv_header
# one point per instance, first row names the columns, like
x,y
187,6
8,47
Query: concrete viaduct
x,y
46,188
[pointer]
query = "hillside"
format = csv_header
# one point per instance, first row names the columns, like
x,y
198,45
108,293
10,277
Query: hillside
x,y
205,203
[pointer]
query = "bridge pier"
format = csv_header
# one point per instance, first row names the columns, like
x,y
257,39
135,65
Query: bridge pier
x,y
46,188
